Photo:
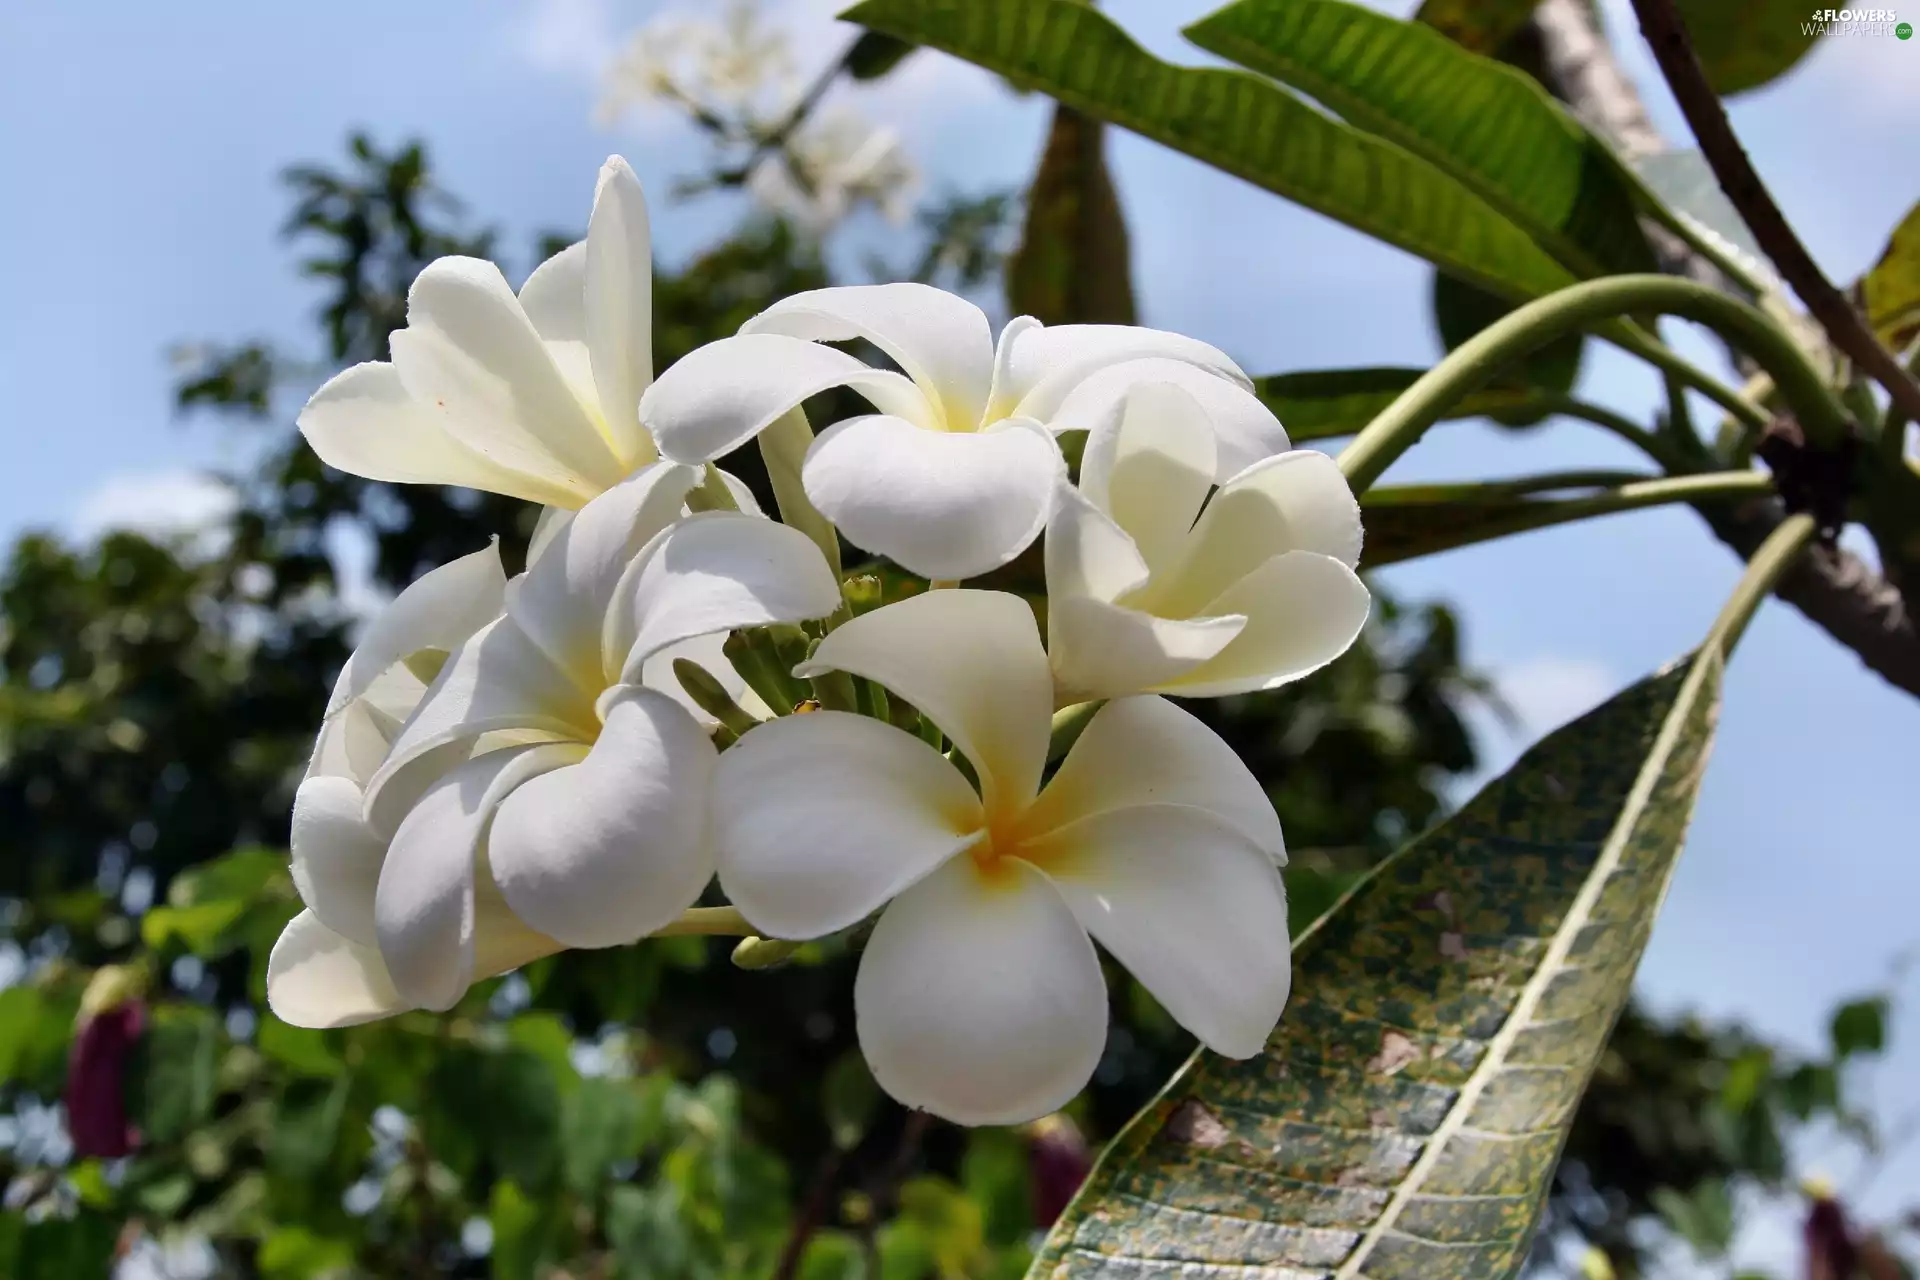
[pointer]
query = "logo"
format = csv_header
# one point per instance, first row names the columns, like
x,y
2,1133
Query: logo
x,y
1856,22
1904,31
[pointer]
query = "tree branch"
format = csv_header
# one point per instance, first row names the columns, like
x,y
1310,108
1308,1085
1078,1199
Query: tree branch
x,y
1834,589
1666,33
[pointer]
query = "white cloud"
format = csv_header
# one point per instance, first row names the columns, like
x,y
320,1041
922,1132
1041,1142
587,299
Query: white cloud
x,y
157,503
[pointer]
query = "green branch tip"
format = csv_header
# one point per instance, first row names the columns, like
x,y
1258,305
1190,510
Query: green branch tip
x,y
764,953
707,921
1770,563
1571,310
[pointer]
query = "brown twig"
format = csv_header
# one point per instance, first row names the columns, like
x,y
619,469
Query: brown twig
x,y
1666,33
812,1212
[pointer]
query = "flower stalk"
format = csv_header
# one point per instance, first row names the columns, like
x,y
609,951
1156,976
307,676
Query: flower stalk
x,y
1570,310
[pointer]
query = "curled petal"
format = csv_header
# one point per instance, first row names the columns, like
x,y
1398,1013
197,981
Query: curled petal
x,y
1244,429
941,340
606,850
364,422
425,912
1101,650
714,572
1298,501
717,397
1087,553
1147,751
941,504
1152,468
1302,610
439,611
562,600
1191,907
979,997
554,298
619,306
353,741
545,529
709,652
1044,363
470,353
316,978
821,819
971,662
336,856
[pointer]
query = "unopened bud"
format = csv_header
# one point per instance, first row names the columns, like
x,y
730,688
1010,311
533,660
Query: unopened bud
x,y
710,696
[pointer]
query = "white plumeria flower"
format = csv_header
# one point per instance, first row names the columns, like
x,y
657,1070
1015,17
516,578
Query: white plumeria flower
x,y
547,792
954,475
534,396
979,996
1148,591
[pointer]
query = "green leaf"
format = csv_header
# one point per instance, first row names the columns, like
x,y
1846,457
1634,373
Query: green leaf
x,y
1703,1218
205,928
1234,121
1480,25
300,1050
1891,290
519,1235
177,1072
1860,1026
849,1097
1489,126
602,1123
306,1128
833,1255
1743,44
295,1253
1461,310
1323,403
1408,1113
873,55
36,1030
1073,265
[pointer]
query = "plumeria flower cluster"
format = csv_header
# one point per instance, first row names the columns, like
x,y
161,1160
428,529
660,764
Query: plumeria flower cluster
x,y
570,758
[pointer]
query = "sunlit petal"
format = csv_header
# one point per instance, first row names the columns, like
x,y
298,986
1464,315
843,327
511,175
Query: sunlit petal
x,y
1244,430
619,306
316,978
1303,611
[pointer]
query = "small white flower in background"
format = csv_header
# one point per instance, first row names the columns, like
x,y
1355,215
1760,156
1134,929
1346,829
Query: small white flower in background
x,y
955,475
735,65
550,789
533,396
835,163
979,996
1149,591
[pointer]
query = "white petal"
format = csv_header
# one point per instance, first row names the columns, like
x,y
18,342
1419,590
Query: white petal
x,y
705,651
316,978
714,572
1298,501
364,422
821,819
1191,907
942,341
609,849
1303,611
438,611
971,662
742,495
353,742
545,528
563,598
1087,553
498,680
1045,363
1245,430
470,352
717,397
979,997
1101,650
1151,468
1147,751
619,303
940,504
424,910
336,856
555,298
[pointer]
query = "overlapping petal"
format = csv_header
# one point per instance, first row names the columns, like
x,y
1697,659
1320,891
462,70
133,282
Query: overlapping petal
x,y
1192,907
822,819
336,856
316,978
942,341
1244,431
1303,610
1044,363
1152,469
612,845
979,997
971,662
717,397
618,300
1102,650
437,612
947,505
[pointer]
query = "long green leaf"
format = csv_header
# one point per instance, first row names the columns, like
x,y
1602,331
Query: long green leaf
x,y
1319,404
1743,44
1490,126
1407,1115
1891,290
1235,121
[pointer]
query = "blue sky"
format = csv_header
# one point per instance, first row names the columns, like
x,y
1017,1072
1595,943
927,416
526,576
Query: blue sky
x,y
142,154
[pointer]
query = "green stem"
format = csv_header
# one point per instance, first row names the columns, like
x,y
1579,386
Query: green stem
x,y
712,494
764,953
722,921
1769,564
1570,310
1637,341
783,447
1068,724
